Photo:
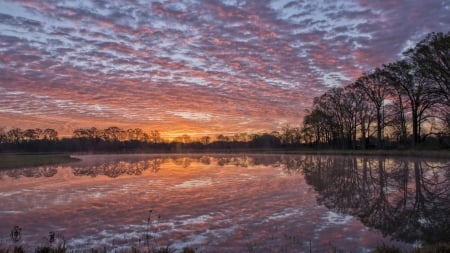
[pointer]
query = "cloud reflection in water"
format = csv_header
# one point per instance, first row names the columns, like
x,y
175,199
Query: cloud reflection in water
x,y
215,203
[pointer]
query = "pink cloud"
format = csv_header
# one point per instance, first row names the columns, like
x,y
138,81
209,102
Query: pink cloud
x,y
251,67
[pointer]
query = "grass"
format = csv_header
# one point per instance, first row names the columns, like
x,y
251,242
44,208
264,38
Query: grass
x,y
417,152
11,161
436,248
439,154
63,249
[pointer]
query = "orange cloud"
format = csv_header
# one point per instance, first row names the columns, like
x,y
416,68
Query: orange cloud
x,y
198,68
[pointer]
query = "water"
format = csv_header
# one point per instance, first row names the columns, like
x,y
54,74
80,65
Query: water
x,y
229,203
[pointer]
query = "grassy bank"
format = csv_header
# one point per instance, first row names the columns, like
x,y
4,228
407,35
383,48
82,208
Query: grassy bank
x,y
444,154
10,161
417,153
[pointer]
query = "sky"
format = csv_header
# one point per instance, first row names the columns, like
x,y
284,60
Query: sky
x,y
190,66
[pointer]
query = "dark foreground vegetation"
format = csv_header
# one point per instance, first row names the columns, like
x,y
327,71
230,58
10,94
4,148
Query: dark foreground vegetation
x,y
438,248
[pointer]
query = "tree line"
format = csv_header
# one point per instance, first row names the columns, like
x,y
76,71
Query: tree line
x,y
116,139
397,105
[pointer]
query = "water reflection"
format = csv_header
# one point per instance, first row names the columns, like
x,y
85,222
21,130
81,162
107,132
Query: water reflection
x,y
128,165
118,168
29,172
407,199
221,200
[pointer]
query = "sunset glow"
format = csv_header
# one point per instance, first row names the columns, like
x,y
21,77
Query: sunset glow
x,y
193,67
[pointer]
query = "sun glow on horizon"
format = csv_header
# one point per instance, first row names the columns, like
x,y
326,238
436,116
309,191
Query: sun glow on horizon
x,y
197,68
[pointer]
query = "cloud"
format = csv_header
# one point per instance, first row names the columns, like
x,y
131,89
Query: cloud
x,y
172,65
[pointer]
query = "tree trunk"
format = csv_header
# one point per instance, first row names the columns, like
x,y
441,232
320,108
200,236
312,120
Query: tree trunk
x,y
415,126
363,134
403,135
379,140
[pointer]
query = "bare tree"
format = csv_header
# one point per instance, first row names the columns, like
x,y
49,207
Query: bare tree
x,y
418,91
32,134
3,137
155,136
50,134
376,90
14,135
432,57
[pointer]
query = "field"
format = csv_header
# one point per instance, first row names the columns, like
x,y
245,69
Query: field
x,y
10,161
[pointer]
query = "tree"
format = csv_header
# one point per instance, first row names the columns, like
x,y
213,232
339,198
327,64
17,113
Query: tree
x,y
338,113
136,134
265,140
375,89
113,134
315,127
50,134
155,136
364,114
222,137
32,134
14,135
205,140
183,138
432,58
417,90
397,107
87,133
290,136
3,137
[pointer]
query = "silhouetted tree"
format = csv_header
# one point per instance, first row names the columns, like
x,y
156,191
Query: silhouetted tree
x,y
364,113
416,89
155,136
315,128
290,136
87,133
183,138
50,134
337,122
376,90
222,137
32,134
135,134
205,140
265,141
3,137
432,58
14,135
114,134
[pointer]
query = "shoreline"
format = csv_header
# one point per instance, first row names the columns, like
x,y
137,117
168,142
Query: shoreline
x,y
30,159
20,160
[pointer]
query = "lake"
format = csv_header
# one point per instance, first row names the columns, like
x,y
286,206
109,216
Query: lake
x,y
229,203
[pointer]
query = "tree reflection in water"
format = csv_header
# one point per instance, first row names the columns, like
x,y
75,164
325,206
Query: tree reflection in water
x,y
35,172
118,168
406,199
124,167
133,166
